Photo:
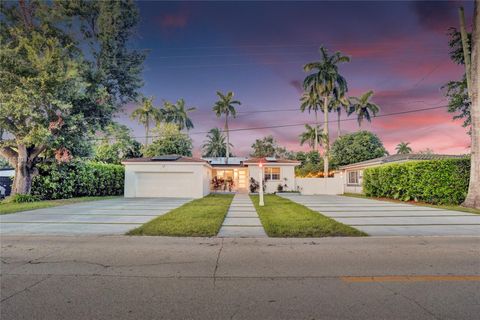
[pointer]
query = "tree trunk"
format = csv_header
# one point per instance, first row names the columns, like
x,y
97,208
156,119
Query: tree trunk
x,y
473,196
22,183
315,143
227,149
147,130
339,133
326,137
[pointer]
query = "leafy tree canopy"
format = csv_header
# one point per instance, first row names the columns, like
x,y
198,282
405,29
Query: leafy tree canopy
x,y
117,145
268,147
169,140
356,147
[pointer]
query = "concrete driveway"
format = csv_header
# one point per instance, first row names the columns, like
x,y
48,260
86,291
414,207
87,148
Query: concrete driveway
x,y
113,216
381,218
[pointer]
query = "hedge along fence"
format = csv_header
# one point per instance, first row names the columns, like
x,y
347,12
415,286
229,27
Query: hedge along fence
x,y
433,181
78,179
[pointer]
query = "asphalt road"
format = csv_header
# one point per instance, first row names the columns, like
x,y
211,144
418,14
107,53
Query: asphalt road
x,y
118,277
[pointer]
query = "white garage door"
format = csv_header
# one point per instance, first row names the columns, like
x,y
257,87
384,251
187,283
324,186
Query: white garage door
x,y
165,184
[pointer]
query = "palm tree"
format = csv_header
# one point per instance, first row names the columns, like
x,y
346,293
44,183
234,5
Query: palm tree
x,y
311,136
178,114
146,113
403,148
309,101
363,107
337,105
326,83
215,146
226,106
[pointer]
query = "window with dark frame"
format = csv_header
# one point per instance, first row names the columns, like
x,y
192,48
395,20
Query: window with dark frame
x,y
272,173
353,177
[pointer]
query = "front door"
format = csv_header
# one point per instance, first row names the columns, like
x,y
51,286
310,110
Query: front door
x,y
241,179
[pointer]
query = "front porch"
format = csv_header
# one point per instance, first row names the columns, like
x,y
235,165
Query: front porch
x,y
229,180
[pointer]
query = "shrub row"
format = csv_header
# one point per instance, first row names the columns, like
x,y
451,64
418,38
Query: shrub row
x,y
78,179
433,181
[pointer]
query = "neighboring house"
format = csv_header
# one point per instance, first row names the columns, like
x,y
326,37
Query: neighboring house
x,y
6,179
353,173
186,177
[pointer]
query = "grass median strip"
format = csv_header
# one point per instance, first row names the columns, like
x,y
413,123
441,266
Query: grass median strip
x,y
197,218
12,207
422,204
284,218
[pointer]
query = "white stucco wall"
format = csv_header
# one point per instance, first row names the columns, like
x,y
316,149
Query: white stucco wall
x,y
193,179
286,171
309,186
353,188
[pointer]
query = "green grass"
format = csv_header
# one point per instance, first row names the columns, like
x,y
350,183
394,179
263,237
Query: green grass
x,y
198,218
423,204
284,218
12,207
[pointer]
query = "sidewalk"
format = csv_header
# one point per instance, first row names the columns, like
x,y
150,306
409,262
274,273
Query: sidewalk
x,y
242,220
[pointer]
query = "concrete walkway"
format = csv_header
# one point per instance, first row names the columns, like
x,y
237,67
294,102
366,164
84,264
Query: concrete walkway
x,y
242,220
106,217
382,218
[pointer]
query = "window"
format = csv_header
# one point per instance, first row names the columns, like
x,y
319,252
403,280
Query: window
x,y
272,173
353,177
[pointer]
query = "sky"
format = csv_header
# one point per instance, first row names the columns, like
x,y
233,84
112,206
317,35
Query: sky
x,y
258,49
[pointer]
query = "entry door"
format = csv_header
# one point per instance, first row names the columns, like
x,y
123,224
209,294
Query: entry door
x,y
242,179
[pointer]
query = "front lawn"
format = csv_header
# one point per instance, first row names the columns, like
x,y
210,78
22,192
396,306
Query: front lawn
x,y
284,218
198,218
11,207
443,207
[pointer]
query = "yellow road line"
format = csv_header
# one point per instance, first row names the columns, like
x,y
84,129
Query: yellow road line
x,y
410,278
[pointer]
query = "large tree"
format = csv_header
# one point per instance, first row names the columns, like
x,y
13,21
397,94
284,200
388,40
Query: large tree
x,y
268,147
65,69
169,140
177,113
473,196
226,106
215,145
326,83
116,145
356,147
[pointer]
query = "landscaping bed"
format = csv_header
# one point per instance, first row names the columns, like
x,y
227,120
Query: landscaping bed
x,y
12,207
198,218
281,217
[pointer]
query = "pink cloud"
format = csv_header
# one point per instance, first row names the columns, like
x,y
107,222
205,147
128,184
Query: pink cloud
x,y
171,21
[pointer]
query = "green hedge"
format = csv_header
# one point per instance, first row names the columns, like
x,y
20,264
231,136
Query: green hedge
x,y
433,181
78,179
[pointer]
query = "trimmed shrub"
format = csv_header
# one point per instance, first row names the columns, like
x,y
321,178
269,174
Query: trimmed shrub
x,y
78,179
434,181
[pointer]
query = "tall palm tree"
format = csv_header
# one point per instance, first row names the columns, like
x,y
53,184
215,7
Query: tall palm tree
x,y
178,114
309,101
326,83
311,136
215,145
403,148
363,107
226,106
145,114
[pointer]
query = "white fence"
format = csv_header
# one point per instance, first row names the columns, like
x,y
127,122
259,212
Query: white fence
x,y
309,186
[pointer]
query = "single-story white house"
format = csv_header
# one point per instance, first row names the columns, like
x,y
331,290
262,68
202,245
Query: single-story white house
x,y
353,173
187,177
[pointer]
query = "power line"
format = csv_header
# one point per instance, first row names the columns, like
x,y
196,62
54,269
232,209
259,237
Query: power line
x,y
293,125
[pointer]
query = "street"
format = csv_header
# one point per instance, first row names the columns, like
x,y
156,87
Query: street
x,y
119,277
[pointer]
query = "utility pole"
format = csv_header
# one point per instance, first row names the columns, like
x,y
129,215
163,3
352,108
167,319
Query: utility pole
x,y
466,51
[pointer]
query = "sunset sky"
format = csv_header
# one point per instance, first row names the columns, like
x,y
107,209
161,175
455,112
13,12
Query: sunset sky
x,y
258,49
